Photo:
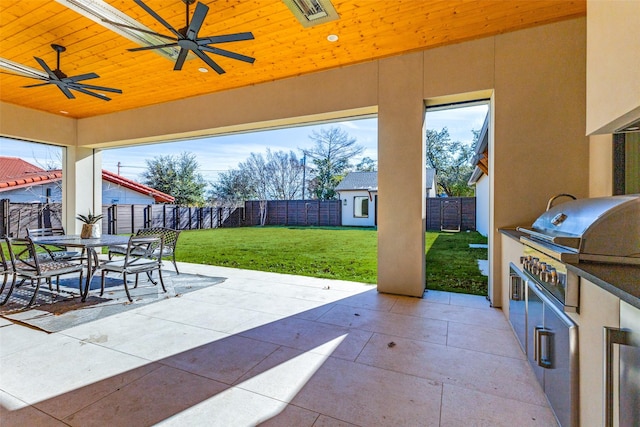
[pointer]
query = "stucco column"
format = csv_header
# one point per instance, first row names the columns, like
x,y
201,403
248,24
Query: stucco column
x,y
401,176
82,185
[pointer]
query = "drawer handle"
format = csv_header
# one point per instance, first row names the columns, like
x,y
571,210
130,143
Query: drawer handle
x,y
542,335
611,336
516,288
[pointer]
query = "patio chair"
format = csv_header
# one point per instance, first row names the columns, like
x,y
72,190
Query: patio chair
x,y
143,254
29,263
5,269
170,239
56,252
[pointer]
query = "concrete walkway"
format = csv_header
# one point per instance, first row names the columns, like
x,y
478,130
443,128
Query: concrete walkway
x,y
276,349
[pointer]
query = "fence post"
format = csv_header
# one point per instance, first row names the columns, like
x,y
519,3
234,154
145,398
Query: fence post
x,y
4,213
146,216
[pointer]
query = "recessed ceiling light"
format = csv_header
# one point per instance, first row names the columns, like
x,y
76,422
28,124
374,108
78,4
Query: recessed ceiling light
x,y
332,38
203,70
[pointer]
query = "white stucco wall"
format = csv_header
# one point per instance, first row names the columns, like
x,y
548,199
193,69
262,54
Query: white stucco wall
x,y
482,205
347,198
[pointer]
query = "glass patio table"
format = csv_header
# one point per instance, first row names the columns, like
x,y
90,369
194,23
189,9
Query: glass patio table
x,y
75,241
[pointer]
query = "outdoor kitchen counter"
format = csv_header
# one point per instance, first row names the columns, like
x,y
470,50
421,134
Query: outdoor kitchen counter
x,y
623,281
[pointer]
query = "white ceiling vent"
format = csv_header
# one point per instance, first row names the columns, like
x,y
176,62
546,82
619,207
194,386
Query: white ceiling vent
x,y
312,12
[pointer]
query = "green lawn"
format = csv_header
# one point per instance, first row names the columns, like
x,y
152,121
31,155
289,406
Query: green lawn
x,y
452,265
332,252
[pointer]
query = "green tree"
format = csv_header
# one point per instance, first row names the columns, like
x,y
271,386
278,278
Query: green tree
x,y
333,149
232,187
177,176
367,164
451,160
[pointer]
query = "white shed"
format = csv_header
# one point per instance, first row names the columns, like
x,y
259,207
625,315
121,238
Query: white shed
x,y
358,192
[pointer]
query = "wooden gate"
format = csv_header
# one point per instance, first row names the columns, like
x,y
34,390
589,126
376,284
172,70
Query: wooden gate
x,y
451,213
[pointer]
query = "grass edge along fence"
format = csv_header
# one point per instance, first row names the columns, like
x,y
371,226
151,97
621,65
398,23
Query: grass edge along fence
x,y
342,253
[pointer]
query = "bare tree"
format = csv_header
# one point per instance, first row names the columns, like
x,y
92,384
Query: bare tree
x,y
285,175
331,156
256,167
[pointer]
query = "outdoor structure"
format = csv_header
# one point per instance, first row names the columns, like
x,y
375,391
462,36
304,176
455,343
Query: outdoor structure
x,y
480,179
22,182
558,85
117,189
358,192
431,189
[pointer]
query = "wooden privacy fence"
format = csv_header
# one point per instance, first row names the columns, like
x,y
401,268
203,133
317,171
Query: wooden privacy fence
x,y
295,212
16,218
451,213
123,219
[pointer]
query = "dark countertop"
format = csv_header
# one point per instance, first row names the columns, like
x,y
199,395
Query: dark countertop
x,y
622,281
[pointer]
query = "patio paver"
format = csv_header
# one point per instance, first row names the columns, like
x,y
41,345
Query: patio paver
x,y
276,349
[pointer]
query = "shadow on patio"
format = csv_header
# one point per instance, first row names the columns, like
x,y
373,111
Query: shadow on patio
x,y
275,349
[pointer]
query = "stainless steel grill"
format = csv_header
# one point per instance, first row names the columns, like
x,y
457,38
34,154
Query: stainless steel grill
x,y
602,229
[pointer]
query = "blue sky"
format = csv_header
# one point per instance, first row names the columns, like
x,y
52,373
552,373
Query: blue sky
x,y
221,153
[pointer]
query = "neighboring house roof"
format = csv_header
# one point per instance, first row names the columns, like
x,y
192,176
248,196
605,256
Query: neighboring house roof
x,y
481,157
369,181
157,195
16,173
359,181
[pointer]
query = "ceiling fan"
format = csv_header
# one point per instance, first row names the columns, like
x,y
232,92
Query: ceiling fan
x,y
187,38
67,84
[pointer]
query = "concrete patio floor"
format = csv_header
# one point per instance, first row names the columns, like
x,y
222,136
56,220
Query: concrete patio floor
x,y
277,350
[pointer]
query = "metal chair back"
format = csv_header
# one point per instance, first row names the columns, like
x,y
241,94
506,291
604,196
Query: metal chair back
x,y
143,254
29,263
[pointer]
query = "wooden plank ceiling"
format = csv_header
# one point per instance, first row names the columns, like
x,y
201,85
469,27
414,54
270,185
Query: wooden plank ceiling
x,y
367,30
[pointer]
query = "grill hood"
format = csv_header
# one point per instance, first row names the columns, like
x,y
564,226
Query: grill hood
x,y
605,229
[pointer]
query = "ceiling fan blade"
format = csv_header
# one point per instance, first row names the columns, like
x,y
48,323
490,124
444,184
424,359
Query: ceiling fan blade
x,y
159,46
225,38
210,62
228,54
39,84
142,30
180,60
46,68
197,20
92,87
64,88
87,92
158,18
82,77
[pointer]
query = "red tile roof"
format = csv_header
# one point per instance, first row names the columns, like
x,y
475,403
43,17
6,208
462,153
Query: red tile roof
x,y
17,173
158,196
